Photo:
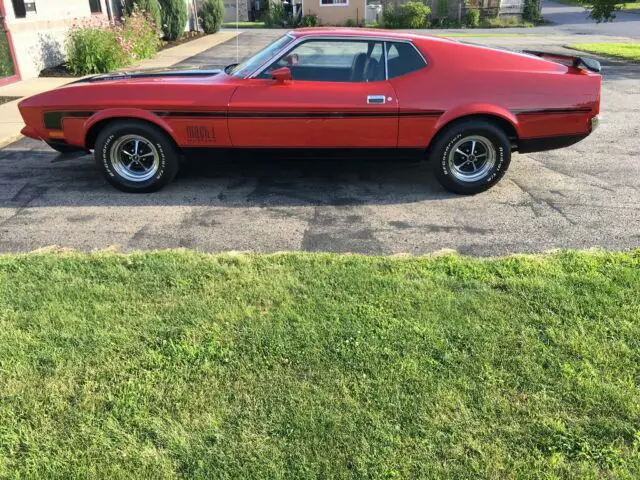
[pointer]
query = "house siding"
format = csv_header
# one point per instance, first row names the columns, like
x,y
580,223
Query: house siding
x,y
39,38
230,10
335,14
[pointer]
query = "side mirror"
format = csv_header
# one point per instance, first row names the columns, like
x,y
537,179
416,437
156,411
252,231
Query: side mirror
x,y
281,75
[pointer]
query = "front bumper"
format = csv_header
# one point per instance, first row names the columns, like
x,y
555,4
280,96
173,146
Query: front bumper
x,y
30,132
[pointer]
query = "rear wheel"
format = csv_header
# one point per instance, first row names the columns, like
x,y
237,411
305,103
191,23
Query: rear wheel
x,y
136,157
471,156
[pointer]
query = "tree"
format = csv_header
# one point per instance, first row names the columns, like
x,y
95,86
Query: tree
x,y
151,7
211,14
174,18
602,10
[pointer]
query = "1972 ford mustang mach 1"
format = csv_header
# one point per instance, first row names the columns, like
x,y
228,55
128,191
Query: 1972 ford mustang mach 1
x,y
326,92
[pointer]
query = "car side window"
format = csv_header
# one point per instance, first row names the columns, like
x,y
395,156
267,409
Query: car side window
x,y
333,61
402,58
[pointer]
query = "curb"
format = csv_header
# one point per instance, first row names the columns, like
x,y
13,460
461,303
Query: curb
x,y
6,141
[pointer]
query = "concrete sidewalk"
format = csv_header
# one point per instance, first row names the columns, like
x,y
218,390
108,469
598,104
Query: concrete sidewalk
x,y
11,122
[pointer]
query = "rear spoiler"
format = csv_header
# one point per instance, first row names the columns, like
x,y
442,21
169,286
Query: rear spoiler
x,y
576,62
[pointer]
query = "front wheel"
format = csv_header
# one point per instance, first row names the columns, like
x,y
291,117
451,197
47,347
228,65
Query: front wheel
x,y
136,157
471,156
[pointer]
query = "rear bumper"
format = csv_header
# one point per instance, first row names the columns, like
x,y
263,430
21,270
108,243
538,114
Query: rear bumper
x,y
541,144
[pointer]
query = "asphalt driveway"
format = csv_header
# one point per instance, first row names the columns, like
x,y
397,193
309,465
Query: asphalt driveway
x,y
584,196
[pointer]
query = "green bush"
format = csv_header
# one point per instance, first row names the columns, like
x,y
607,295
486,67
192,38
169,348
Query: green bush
x,y
310,20
408,15
350,23
174,18
95,50
276,16
530,11
389,17
211,15
443,9
139,34
150,7
6,60
472,17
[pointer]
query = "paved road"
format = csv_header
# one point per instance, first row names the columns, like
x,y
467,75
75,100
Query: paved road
x,y
584,196
575,20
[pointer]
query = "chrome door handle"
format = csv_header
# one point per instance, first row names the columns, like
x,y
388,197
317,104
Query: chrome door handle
x,y
376,99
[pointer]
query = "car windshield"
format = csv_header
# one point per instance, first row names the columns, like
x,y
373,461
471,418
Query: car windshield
x,y
246,68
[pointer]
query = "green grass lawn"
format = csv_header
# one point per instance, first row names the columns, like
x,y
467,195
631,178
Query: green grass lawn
x,y
471,34
628,51
623,6
178,364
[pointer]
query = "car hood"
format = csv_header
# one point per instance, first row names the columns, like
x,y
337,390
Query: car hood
x,y
151,73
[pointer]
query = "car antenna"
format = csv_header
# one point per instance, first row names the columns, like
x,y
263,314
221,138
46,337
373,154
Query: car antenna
x,y
237,31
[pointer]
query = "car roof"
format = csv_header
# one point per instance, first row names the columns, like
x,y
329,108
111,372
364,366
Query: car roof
x,y
364,32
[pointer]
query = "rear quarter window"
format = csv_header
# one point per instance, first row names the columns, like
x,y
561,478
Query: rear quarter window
x,y
403,58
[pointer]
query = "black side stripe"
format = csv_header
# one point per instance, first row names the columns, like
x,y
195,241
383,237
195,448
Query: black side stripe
x,y
544,111
53,120
359,114
192,114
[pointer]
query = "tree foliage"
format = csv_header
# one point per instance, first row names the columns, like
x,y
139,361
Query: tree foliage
x,y
211,15
602,10
174,18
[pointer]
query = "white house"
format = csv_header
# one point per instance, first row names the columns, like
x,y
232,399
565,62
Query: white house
x,y
33,32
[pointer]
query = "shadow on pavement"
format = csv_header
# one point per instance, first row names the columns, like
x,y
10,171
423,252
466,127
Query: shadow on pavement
x,y
38,177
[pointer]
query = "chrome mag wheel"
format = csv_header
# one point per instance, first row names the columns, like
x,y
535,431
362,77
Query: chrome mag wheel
x,y
471,158
134,158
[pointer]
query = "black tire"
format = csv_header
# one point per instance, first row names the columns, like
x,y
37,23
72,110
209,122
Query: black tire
x,y
161,154
450,161
64,148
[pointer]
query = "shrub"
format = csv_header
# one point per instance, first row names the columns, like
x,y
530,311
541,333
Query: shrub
x,y
310,20
95,50
408,15
140,32
276,16
414,14
149,7
6,60
389,17
350,23
174,18
530,11
443,8
472,17
211,15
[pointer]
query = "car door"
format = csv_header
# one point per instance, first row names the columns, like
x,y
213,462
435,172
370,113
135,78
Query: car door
x,y
338,97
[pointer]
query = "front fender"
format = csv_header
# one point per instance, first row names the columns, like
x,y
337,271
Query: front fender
x,y
122,113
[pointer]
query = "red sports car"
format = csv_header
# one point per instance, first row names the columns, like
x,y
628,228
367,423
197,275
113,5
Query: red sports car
x,y
330,92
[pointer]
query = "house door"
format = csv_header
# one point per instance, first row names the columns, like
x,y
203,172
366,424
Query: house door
x,y
8,70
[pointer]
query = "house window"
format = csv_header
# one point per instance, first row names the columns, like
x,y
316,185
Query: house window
x,y
95,6
336,3
19,8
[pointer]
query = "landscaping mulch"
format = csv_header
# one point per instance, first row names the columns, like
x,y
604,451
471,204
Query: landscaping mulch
x,y
4,100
